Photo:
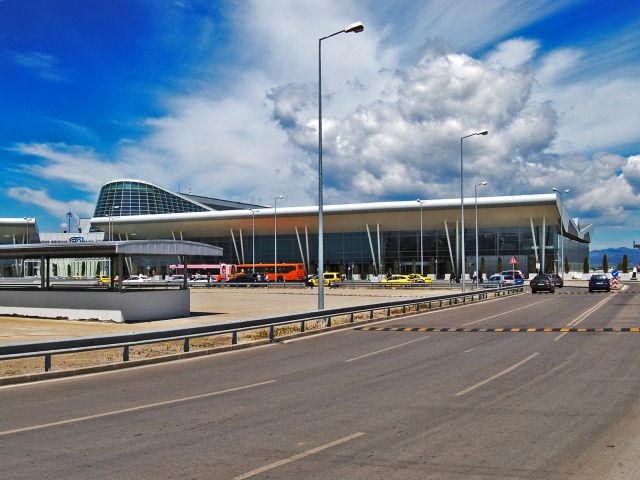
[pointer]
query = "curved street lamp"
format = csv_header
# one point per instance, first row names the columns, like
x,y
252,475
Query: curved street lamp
x,y
462,272
475,187
356,27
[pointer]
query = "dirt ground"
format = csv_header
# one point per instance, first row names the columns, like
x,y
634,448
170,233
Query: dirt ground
x,y
208,306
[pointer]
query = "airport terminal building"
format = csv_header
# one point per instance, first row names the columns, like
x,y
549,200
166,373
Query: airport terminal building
x,y
361,239
364,239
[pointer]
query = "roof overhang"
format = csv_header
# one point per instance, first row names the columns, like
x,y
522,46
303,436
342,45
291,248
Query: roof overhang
x,y
505,211
107,249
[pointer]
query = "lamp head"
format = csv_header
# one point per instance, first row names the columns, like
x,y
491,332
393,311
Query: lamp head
x,y
280,197
484,132
566,190
556,190
483,183
354,27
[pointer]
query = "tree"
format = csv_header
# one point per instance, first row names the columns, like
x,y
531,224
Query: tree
x,y
68,270
55,269
625,264
500,264
98,268
585,265
83,269
605,263
566,265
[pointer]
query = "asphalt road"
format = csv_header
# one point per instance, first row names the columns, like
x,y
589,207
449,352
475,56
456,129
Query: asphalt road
x,y
358,404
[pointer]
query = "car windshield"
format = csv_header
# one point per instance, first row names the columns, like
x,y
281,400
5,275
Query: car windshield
x,y
599,277
495,277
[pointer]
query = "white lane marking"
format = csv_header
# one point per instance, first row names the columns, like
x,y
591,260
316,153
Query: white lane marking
x,y
497,375
298,456
470,350
133,409
384,350
583,316
505,313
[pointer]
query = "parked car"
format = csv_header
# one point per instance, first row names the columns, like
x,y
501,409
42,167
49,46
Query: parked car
x,y
176,279
330,279
542,283
513,279
599,281
495,281
518,272
137,279
557,280
397,280
103,280
417,278
248,279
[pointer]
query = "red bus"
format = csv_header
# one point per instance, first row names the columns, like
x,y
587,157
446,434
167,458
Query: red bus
x,y
289,272
220,273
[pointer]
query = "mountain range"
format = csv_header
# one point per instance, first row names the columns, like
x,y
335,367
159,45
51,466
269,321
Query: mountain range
x,y
614,255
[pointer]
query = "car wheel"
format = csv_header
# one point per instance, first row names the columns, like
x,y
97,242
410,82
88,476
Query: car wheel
x,y
533,291
608,289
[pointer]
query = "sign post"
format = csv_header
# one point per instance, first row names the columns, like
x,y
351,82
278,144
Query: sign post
x,y
614,274
513,262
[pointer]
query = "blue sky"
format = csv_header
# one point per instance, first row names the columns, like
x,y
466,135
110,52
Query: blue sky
x,y
220,98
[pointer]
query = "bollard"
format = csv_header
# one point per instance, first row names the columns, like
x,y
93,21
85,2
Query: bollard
x,y
272,332
125,353
351,318
47,363
234,338
302,326
328,322
185,347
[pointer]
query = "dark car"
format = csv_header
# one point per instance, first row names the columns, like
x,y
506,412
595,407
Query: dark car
x,y
599,281
244,279
542,283
557,280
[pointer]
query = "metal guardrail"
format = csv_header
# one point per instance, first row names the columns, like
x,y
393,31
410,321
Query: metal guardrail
x,y
59,347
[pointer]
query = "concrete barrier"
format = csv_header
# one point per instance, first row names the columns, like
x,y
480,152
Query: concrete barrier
x,y
129,306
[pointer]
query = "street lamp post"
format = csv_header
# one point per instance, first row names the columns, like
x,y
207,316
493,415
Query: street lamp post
x,y
561,193
475,188
355,28
253,239
462,272
421,249
275,236
110,222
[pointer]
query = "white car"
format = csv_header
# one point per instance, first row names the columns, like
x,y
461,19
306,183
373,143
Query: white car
x,y
137,279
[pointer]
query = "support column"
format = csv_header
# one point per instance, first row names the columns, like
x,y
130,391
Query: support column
x,y
379,256
235,247
300,247
185,272
241,245
543,243
535,244
457,267
43,274
446,229
306,237
373,255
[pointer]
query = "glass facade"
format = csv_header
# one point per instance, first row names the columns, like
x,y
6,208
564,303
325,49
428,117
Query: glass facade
x,y
140,198
400,250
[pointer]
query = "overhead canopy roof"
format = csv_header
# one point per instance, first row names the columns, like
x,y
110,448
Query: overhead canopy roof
x,y
106,249
506,211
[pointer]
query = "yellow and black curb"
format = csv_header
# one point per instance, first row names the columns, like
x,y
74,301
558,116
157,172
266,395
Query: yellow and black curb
x,y
502,329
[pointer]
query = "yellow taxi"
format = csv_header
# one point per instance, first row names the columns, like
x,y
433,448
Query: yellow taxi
x,y
417,278
103,279
330,278
397,280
